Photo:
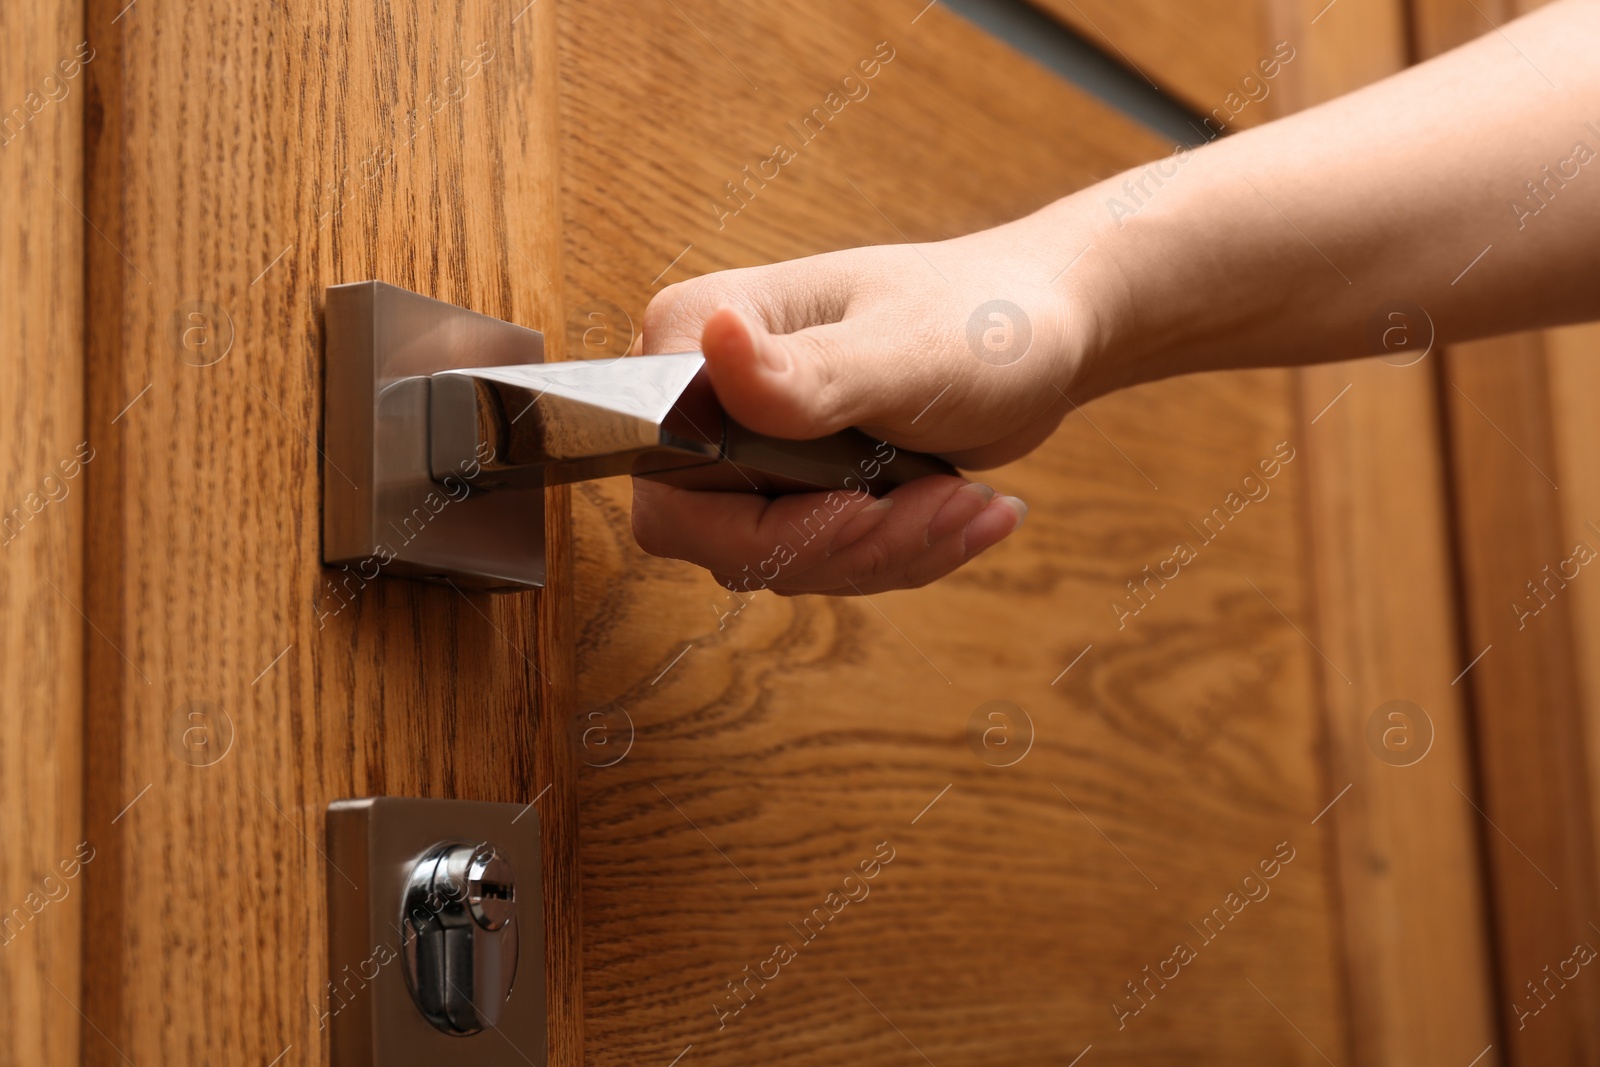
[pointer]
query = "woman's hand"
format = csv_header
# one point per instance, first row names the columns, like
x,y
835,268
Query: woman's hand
x,y
965,348
1453,190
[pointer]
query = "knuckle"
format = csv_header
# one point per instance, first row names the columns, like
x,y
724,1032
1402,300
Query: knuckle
x,y
664,310
816,351
874,559
676,315
830,389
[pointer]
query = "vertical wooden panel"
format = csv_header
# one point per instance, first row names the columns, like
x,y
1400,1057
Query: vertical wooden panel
x,y
1415,917
1514,524
43,448
1416,922
1574,376
245,157
1522,506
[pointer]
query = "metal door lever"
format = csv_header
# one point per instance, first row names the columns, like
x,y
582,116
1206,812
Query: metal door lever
x,y
654,416
442,427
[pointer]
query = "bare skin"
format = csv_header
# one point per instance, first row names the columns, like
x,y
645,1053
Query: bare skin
x,y
1274,247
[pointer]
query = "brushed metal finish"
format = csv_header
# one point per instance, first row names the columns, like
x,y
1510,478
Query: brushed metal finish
x,y
383,512
552,423
375,846
652,416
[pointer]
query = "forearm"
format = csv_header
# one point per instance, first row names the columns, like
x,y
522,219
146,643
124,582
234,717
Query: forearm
x,y
1285,244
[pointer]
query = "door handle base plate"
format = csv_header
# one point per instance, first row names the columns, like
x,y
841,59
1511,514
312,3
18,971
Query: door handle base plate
x,y
383,512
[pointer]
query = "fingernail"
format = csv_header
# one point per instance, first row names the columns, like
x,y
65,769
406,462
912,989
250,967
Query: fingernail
x,y
1021,507
861,523
992,525
963,504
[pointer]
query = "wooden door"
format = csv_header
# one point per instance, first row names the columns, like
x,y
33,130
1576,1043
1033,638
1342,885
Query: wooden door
x,y
1170,840
1032,907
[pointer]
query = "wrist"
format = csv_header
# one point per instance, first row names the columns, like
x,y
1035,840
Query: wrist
x,y
1094,296
1144,295
1205,273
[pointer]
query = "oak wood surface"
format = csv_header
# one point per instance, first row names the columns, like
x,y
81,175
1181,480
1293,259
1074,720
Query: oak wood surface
x,y
797,737
1572,370
247,156
1416,916
1379,526
1200,51
1522,502
775,748
42,489
1527,689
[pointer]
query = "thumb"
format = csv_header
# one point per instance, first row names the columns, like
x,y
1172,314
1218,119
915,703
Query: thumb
x,y
820,379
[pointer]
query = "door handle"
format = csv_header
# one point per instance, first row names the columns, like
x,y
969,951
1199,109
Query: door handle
x,y
442,427
653,416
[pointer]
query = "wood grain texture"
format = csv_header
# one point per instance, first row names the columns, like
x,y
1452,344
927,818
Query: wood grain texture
x,y
1572,370
248,156
1416,918
1200,51
774,749
42,489
1516,514
1528,690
